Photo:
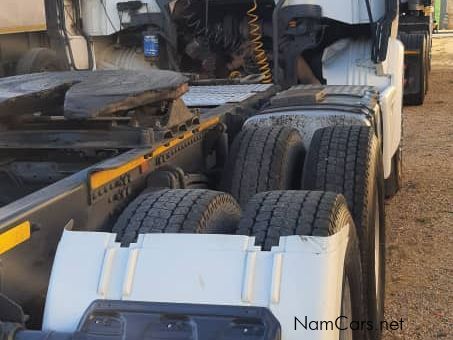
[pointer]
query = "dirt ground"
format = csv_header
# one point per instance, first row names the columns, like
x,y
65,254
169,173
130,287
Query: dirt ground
x,y
420,218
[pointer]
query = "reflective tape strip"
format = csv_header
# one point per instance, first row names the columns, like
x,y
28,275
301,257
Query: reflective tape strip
x,y
14,236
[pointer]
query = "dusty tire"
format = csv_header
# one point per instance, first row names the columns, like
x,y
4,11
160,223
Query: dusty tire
x,y
347,160
39,60
263,159
270,215
352,286
394,183
419,98
416,67
178,211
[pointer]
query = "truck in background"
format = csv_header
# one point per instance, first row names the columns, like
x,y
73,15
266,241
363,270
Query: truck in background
x,y
416,26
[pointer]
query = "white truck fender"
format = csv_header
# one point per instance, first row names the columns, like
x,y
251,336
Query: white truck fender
x,y
302,277
350,64
347,64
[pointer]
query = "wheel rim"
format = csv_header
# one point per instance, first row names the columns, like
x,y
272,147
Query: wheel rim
x,y
346,310
377,251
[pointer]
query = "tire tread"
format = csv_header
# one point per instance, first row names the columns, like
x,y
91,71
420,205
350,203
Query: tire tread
x,y
177,211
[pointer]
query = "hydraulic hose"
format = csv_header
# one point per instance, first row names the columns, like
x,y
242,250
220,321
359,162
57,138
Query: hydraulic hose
x,y
256,39
276,38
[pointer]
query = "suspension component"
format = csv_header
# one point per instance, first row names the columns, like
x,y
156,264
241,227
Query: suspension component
x,y
223,35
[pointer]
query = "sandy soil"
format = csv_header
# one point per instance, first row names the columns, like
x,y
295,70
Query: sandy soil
x,y
420,218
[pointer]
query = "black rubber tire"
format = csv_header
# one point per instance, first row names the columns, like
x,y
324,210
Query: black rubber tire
x,y
272,214
347,160
178,211
269,215
427,63
429,47
263,159
353,275
416,41
39,60
420,98
394,183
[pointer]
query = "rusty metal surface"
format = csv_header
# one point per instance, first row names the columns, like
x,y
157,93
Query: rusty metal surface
x,y
87,94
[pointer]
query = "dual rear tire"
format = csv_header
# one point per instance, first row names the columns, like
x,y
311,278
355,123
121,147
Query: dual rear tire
x,y
263,159
194,211
266,217
262,163
343,159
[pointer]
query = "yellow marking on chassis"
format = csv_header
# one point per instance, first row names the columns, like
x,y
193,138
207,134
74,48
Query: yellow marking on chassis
x,y
98,179
14,236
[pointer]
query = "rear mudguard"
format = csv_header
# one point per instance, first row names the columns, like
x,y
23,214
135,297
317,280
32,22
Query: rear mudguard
x,y
301,278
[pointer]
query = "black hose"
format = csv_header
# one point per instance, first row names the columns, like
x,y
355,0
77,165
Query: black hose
x,y
62,20
79,24
373,29
275,39
108,16
206,16
224,36
368,8
171,39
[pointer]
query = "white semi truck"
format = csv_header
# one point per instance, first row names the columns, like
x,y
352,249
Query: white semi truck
x,y
147,204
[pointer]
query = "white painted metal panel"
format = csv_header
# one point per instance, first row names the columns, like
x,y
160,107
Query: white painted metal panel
x,y
301,277
101,18
348,62
348,11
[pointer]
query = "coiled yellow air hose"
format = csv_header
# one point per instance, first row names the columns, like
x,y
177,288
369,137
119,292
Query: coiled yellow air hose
x,y
256,39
